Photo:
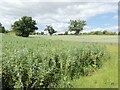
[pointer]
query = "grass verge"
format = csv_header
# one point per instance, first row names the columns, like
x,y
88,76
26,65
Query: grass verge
x,y
106,77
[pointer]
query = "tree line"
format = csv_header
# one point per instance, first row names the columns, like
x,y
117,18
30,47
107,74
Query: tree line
x,y
26,26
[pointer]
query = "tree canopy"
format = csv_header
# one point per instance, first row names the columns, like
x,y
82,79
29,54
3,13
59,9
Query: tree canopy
x,y
118,33
50,29
24,26
2,29
76,25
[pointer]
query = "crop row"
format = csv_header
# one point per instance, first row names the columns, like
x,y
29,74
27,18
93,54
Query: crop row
x,y
39,63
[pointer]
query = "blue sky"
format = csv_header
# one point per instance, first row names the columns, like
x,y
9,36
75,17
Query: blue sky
x,y
103,20
99,16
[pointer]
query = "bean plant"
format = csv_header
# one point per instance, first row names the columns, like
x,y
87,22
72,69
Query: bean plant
x,y
39,63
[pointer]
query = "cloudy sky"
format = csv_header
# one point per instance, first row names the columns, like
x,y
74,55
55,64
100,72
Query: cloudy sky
x,y
98,15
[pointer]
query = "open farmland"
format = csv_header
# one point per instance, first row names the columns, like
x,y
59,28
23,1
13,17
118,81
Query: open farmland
x,y
83,38
59,45
60,62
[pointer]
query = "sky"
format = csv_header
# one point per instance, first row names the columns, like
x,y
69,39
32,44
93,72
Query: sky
x,y
99,15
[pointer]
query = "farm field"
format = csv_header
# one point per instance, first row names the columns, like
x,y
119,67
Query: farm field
x,y
59,45
86,61
107,76
82,38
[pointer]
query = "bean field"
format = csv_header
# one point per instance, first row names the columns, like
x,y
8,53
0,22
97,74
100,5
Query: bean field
x,y
38,62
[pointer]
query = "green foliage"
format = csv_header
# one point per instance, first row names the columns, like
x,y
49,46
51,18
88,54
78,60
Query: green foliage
x,y
2,29
47,63
24,26
105,32
118,33
98,33
42,33
76,25
66,33
32,33
50,29
106,77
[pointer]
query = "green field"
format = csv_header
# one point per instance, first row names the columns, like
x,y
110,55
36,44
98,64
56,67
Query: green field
x,y
82,38
107,76
30,57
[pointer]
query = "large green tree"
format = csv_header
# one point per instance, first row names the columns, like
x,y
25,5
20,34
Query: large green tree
x,y
76,25
50,29
2,29
24,26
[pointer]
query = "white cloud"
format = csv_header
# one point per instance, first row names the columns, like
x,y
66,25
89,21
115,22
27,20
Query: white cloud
x,y
63,0
115,17
113,28
54,13
108,28
60,27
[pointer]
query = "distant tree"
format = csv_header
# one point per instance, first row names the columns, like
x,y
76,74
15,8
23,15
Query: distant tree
x,y
76,25
32,33
118,33
105,32
42,33
91,33
38,33
61,34
50,29
98,33
113,33
2,29
7,31
24,26
66,33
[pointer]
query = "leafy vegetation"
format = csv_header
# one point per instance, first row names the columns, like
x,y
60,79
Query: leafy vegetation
x,y
47,63
118,33
50,29
24,26
105,32
106,77
104,39
2,29
66,33
77,26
